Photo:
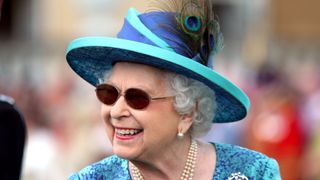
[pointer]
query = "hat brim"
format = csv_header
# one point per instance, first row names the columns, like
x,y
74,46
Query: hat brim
x,y
90,57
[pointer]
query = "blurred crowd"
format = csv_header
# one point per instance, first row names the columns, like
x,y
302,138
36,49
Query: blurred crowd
x,y
63,125
284,119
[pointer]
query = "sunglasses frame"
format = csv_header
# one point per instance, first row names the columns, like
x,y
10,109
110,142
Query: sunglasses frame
x,y
102,87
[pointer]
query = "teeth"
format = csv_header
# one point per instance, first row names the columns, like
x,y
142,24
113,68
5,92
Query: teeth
x,y
125,132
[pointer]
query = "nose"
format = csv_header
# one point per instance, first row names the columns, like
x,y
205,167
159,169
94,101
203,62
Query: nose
x,y
119,109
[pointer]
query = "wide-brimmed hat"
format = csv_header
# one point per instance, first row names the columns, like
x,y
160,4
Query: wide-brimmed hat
x,y
151,38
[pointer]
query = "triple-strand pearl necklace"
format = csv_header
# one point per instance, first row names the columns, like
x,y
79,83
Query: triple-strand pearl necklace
x,y
189,167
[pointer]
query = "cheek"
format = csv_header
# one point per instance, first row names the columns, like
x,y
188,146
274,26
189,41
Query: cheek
x,y
105,114
165,121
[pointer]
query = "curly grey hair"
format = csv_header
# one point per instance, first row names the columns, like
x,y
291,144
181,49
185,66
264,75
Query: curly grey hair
x,y
191,96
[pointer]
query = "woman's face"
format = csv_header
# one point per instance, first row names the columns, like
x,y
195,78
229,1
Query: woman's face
x,y
139,134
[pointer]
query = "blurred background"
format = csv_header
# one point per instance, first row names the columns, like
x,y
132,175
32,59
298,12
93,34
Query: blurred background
x,y
272,51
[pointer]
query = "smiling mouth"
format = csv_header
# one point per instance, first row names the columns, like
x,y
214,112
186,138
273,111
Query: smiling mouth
x,y
127,132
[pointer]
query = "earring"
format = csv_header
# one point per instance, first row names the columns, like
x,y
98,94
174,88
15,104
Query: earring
x,y
180,134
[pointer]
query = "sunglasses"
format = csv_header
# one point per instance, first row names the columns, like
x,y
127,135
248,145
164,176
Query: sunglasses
x,y
135,98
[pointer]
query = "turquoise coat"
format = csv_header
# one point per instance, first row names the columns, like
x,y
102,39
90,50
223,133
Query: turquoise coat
x,y
233,163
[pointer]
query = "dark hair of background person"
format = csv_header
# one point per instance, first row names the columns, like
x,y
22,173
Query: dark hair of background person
x,y
12,140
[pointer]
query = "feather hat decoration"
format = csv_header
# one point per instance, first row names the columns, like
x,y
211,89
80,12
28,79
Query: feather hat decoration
x,y
200,30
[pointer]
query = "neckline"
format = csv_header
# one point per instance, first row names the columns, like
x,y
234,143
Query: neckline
x,y
217,165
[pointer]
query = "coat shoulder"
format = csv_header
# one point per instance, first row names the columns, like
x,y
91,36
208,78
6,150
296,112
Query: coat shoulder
x,y
111,167
235,161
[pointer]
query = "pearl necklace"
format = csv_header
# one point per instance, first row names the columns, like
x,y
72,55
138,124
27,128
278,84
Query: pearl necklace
x,y
188,170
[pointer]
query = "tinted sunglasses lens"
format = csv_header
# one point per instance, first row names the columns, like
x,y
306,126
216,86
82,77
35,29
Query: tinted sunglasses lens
x,y
107,94
137,99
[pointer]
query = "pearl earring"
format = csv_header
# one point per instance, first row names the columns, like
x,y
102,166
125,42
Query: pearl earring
x,y
180,134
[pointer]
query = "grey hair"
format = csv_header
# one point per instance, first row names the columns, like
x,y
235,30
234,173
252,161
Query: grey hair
x,y
192,96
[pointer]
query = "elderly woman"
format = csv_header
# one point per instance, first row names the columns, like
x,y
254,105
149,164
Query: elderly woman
x,y
158,95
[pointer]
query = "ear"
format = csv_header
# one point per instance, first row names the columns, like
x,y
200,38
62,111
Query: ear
x,y
185,122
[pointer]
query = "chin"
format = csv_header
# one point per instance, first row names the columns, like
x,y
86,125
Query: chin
x,y
125,154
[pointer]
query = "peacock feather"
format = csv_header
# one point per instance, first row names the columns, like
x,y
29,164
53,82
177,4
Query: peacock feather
x,y
197,27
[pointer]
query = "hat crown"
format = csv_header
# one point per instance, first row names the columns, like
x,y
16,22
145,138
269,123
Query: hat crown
x,y
153,28
160,29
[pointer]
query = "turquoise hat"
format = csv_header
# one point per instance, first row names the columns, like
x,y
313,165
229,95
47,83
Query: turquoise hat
x,y
151,38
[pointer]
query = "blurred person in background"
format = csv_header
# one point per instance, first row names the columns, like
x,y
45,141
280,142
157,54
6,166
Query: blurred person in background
x,y
12,136
158,96
275,125
12,139
310,92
